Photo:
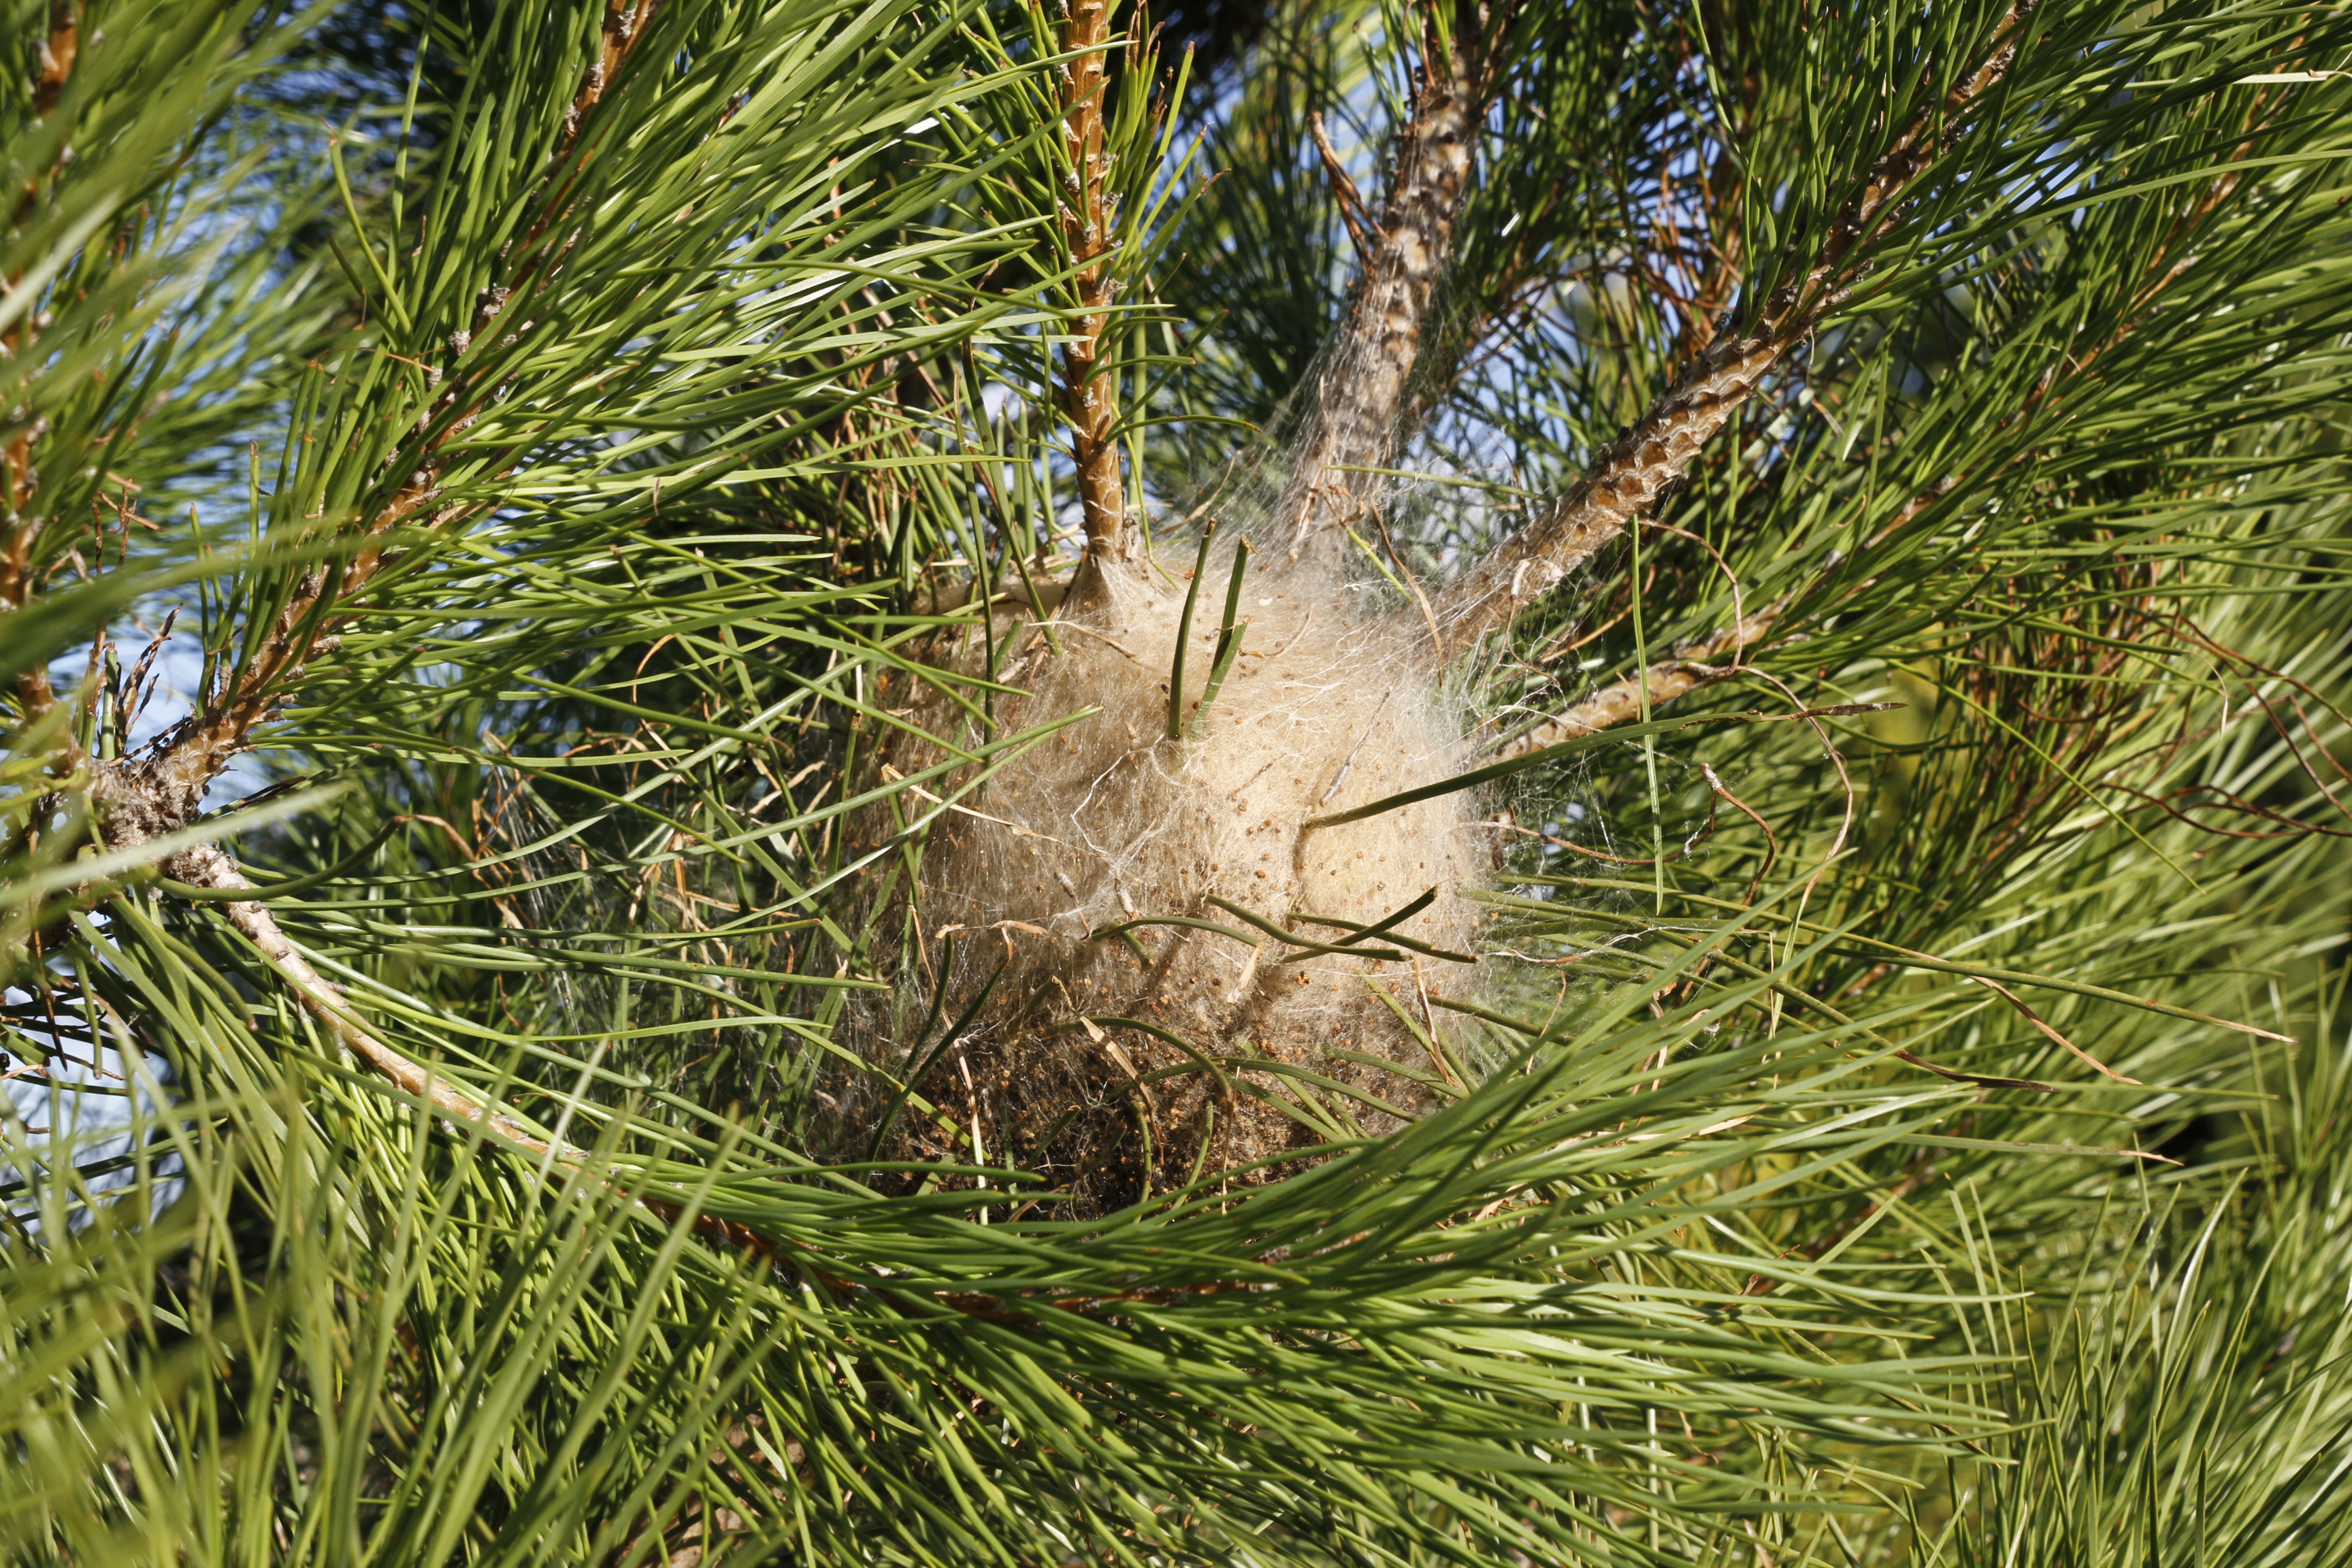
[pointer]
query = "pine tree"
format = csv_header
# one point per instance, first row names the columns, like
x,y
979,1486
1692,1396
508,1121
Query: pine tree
x,y
918,783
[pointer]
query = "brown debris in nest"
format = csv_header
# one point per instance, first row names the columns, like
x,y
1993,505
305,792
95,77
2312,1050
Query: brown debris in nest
x,y
1116,1008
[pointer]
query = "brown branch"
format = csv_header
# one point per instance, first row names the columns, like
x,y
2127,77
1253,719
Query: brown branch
x,y
624,27
1630,475
149,796
1089,389
1343,192
1360,399
1691,666
56,53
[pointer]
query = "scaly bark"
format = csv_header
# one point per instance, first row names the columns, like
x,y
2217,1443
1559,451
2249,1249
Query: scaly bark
x,y
1630,475
1089,390
1361,398
624,23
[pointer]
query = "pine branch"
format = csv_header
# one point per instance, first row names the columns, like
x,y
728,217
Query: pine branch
x,y
1627,477
1090,389
624,23
1360,399
136,800
56,54
140,798
1691,666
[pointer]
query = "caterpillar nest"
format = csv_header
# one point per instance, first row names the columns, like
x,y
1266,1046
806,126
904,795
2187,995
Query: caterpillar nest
x,y
1117,1062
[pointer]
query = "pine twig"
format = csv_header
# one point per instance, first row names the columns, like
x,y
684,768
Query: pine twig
x,y
624,23
57,53
1692,665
